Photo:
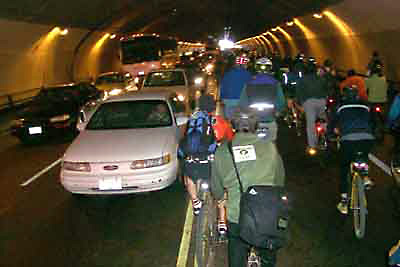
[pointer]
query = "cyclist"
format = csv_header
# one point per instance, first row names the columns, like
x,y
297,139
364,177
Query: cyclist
x,y
311,94
375,60
232,85
265,167
355,123
376,86
393,124
263,86
299,66
353,79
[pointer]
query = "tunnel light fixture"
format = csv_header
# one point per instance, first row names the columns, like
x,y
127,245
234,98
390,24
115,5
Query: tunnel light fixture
x,y
64,31
290,23
274,29
318,15
112,36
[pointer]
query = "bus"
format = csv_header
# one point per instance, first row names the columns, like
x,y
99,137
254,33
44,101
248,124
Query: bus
x,y
141,53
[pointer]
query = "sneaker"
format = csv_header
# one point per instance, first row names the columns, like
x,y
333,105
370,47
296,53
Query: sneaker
x,y
343,206
368,183
222,231
197,204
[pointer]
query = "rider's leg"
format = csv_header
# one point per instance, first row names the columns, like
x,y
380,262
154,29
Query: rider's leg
x,y
311,115
237,249
191,188
345,152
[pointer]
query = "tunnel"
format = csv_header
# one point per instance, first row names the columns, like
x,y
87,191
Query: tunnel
x,y
48,42
51,42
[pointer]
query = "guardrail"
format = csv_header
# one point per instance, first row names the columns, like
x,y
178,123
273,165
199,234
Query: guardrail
x,y
12,100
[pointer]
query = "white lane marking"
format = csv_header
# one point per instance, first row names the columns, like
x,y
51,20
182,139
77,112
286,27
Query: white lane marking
x,y
380,164
185,241
37,175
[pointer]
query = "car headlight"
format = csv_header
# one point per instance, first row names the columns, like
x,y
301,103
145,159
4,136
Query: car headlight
x,y
115,91
60,118
17,123
149,163
76,166
181,98
198,80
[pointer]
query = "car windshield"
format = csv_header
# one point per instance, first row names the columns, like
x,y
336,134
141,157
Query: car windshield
x,y
113,78
165,78
131,115
68,93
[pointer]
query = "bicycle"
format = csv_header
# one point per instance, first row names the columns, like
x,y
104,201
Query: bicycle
x,y
206,227
320,128
358,199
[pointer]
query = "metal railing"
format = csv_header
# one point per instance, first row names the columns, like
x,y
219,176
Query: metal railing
x,y
12,100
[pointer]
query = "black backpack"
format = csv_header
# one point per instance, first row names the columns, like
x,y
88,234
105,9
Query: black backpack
x,y
199,140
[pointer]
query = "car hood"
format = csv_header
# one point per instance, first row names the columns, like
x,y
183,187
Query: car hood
x,y
178,89
122,145
44,110
110,86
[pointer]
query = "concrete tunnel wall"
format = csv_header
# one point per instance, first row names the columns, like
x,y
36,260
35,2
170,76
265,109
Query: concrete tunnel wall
x,y
348,33
32,56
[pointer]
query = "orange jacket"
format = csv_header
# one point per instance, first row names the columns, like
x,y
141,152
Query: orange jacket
x,y
222,129
358,82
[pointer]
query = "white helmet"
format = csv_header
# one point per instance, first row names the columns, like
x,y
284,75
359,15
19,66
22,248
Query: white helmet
x,y
264,61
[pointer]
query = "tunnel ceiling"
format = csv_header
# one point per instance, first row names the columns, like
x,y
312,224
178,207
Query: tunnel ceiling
x,y
185,19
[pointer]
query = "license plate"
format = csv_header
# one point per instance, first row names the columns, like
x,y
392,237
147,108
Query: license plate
x,y
110,183
35,130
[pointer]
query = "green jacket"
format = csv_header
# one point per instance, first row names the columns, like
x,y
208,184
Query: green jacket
x,y
311,86
377,89
267,169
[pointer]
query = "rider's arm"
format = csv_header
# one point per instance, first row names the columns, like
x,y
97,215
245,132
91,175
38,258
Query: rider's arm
x,y
280,99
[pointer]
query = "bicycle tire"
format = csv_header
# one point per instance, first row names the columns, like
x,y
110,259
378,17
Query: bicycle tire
x,y
206,233
359,207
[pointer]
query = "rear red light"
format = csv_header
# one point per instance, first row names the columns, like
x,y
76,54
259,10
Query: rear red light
x,y
319,129
378,109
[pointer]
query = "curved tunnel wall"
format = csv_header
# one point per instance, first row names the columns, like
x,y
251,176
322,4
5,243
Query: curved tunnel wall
x,y
348,33
30,57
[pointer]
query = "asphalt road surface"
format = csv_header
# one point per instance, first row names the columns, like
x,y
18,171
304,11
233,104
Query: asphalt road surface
x,y
43,225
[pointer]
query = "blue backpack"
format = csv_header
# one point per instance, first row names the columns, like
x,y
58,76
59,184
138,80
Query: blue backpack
x,y
199,140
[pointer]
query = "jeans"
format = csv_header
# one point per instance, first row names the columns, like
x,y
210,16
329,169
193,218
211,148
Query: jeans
x,y
348,150
238,249
313,108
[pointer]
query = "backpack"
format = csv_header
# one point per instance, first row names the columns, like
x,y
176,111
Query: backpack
x,y
199,140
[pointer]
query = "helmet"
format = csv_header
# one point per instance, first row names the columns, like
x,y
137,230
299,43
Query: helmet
x,y
311,60
350,94
263,64
244,120
328,63
300,57
377,69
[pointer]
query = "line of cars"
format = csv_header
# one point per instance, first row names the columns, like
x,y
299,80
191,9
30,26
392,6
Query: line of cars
x,y
124,144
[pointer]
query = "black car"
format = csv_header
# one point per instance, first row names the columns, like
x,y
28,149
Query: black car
x,y
53,112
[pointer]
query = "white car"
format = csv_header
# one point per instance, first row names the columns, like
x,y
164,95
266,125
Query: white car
x,y
170,80
127,145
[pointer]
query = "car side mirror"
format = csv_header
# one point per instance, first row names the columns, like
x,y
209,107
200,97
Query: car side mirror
x,y
181,120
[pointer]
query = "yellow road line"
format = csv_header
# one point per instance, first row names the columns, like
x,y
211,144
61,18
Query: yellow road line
x,y
185,241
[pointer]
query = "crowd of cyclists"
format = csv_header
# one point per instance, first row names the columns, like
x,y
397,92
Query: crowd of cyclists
x,y
255,91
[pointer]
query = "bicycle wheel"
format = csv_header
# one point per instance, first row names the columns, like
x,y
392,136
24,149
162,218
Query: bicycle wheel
x,y
205,233
359,206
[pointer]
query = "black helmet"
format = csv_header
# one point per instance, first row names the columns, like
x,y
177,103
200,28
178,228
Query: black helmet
x,y
244,120
350,94
377,69
328,63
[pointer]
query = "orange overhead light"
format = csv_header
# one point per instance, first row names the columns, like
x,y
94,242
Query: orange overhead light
x,y
112,36
277,41
318,15
290,23
339,23
274,29
64,32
